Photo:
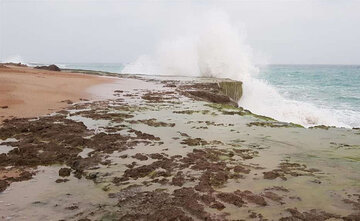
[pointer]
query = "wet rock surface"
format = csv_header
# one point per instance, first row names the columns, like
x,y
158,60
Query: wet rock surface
x,y
64,172
161,154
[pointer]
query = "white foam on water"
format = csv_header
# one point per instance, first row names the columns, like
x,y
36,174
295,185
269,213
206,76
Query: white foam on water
x,y
262,98
215,48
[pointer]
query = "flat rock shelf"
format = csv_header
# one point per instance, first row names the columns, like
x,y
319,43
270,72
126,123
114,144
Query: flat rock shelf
x,y
171,148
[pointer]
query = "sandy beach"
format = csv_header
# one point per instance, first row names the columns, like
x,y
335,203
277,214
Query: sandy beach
x,y
28,92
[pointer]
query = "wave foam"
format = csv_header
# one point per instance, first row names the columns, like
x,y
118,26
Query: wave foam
x,y
218,49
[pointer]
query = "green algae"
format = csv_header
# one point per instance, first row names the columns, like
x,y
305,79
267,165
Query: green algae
x,y
227,109
274,124
220,107
109,217
321,127
224,157
233,89
353,158
189,112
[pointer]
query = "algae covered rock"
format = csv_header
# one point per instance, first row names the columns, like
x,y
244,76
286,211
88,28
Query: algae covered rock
x,y
233,89
220,91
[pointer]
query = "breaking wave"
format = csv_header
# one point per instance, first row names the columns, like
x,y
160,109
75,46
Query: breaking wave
x,y
216,48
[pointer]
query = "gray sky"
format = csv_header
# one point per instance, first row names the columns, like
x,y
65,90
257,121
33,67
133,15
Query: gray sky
x,y
295,32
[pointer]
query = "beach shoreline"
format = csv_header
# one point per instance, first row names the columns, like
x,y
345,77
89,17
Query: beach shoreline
x,y
29,92
155,147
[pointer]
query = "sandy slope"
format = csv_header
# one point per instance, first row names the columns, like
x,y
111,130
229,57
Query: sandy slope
x,y
27,92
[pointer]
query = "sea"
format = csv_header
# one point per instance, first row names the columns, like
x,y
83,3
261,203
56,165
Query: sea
x,y
304,94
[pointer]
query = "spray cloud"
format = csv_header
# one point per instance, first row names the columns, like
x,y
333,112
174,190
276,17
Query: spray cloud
x,y
211,46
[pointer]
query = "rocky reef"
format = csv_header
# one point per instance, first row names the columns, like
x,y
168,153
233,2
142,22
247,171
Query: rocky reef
x,y
221,91
158,150
233,89
51,67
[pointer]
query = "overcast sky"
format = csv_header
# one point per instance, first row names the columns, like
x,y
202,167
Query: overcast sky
x,y
281,32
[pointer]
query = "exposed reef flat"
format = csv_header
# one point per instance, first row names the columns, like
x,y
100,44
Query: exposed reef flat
x,y
171,148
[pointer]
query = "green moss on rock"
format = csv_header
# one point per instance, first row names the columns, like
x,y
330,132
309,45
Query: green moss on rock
x,y
233,89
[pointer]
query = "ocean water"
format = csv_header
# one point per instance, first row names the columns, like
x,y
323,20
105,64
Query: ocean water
x,y
305,94
331,89
211,45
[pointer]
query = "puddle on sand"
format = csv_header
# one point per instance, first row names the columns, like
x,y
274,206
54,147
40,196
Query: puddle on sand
x,y
91,124
5,148
106,91
85,152
41,198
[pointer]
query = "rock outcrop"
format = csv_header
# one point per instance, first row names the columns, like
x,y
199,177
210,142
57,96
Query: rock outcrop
x,y
49,68
221,92
233,89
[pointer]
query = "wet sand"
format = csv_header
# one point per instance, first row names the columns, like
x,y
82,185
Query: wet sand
x,y
28,92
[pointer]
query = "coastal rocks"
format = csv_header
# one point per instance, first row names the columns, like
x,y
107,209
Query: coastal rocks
x,y
140,156
211,97
321,127
292,169
233,89
309,215
41,142
354,202
273,124
9,175
61,180
220,93
188,174
251,197
159,97
3,185
67,101
159,205
194,142
272,175
231,198
51,67
153,123
178,179
273,196
64,172
241,169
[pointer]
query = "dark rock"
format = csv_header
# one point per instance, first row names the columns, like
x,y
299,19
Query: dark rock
x,y
67,101
72,207
271,175
212,97
251,197
3,185
49,68
241,169
179,179
61,180
231,198
64,172
140,156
